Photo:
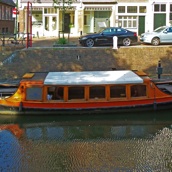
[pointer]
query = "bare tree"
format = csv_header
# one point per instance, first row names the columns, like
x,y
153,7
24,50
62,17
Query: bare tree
x,y
62,5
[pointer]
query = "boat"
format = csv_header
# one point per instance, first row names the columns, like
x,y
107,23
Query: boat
x,y
86,92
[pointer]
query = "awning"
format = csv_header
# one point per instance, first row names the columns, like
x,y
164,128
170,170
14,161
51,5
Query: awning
x,y
99,1
98,8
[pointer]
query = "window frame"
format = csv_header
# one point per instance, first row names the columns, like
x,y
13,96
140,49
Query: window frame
x,y
121,10
159,7
128,21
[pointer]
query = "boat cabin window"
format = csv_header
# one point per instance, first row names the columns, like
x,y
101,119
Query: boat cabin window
x,y
55,93
138,90
117,91
97,92
75,93
34,93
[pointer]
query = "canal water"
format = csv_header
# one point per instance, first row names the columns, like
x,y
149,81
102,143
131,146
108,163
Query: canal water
x,y
140,142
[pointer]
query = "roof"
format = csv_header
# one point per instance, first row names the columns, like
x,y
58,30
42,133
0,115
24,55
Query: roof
x,y
8,2
92,78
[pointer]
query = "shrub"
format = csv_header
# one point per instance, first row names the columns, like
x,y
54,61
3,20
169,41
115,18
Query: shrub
x,y
62,41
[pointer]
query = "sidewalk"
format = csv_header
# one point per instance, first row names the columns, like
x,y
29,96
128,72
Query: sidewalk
x,y
49,41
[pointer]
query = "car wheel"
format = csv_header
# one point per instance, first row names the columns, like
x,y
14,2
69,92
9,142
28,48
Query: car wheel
x,y
155,41
126,41
89,43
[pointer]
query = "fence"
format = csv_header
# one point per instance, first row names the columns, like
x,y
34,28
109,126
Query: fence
x,y
14,40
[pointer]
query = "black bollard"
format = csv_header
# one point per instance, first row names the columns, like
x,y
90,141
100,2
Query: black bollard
x,y
159,69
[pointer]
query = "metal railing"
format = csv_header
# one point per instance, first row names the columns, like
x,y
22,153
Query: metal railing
x,y
7,39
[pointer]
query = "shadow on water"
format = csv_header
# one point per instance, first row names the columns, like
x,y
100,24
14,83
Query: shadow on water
x,y
153,117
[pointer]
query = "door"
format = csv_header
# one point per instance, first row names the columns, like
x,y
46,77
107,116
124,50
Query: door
x,y
66,23
50,26
141,25
159,20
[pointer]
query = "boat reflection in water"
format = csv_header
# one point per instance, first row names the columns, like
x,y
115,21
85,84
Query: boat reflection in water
x,y
125,142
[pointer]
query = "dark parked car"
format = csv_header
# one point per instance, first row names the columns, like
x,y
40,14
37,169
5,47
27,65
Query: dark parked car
x,y
160,35
105,37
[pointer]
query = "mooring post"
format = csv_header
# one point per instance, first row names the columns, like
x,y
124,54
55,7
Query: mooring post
x,y
115,42
159,69
3,39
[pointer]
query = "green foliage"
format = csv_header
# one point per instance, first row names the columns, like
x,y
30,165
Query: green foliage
x,y
62,4
62,41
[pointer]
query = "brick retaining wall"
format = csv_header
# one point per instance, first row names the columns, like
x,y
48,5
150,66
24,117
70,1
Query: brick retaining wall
x,y
80,59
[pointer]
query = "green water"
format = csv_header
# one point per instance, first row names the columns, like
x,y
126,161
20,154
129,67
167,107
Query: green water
x,y
101,143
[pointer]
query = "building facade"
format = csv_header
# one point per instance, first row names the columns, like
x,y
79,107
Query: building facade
x,y
7,21
88,16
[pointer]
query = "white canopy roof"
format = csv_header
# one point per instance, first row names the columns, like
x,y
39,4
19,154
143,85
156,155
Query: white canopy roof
x,y
92,78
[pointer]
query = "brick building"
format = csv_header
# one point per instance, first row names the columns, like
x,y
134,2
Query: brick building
x,y
7,21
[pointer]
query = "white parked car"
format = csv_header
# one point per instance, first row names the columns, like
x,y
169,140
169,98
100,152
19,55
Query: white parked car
x,y
160,35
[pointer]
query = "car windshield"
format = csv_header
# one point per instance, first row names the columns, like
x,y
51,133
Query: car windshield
x,y
159,29
101,30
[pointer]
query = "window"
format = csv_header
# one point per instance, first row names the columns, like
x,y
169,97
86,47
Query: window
x,y
50,10
108,31
102,14
3,11
159,7
120,31
132,9
7,13
87,19
117,91
163,7
34,93
75,93
121,9
0,12
142,9
169,29
128,21
171,13
97,92
55,93
138,90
